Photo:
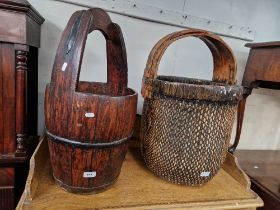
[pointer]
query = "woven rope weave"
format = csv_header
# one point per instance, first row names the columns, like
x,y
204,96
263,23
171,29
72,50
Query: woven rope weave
x,y
186,123
196,144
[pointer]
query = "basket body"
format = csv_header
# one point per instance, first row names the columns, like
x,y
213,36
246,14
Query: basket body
x,y
186,123
185,141
88,124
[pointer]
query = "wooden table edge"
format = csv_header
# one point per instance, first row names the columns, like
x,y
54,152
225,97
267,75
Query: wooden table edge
x,y
238,174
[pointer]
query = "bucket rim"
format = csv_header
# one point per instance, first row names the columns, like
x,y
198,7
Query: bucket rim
x,y
92,94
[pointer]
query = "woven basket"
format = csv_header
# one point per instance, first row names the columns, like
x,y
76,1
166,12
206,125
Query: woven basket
x,y
187,123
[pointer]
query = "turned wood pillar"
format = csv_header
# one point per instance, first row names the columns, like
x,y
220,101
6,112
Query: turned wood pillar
x,y
21,95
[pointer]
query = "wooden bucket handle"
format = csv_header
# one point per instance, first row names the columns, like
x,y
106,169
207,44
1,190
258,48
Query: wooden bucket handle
x,y
67,65
223,59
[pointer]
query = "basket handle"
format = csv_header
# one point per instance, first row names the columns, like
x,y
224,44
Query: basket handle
x,y
67,65
223,59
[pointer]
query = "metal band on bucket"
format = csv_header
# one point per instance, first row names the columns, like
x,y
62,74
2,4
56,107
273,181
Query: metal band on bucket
x,y
76,143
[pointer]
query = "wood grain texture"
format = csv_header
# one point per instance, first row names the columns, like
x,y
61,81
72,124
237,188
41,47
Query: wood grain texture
x,y
137,188
16,2
7,176
7,198
8,72
262,66
7,188
21,110
263,167
98,143
231,166
1,102
20,120
19,28
32,92
263,44
13,27
20,23
16,167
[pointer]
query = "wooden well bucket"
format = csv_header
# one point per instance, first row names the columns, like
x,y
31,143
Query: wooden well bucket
x,y
88,124
187,123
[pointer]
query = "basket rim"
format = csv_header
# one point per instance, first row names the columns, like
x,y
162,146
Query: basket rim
x,y
190,80
196,89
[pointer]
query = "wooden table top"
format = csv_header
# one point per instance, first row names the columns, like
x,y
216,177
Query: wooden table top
x,y
263,166
138,188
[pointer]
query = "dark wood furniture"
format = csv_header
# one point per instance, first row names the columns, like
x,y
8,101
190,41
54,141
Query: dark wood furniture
x,y
263,167
19,42
262,70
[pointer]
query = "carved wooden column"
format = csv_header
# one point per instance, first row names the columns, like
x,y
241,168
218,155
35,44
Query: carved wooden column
x,y
21,79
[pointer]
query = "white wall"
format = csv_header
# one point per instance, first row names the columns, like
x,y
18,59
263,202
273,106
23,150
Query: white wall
x,y
187,57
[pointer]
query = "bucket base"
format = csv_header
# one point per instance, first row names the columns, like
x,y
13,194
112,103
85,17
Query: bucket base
x,y
84,190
